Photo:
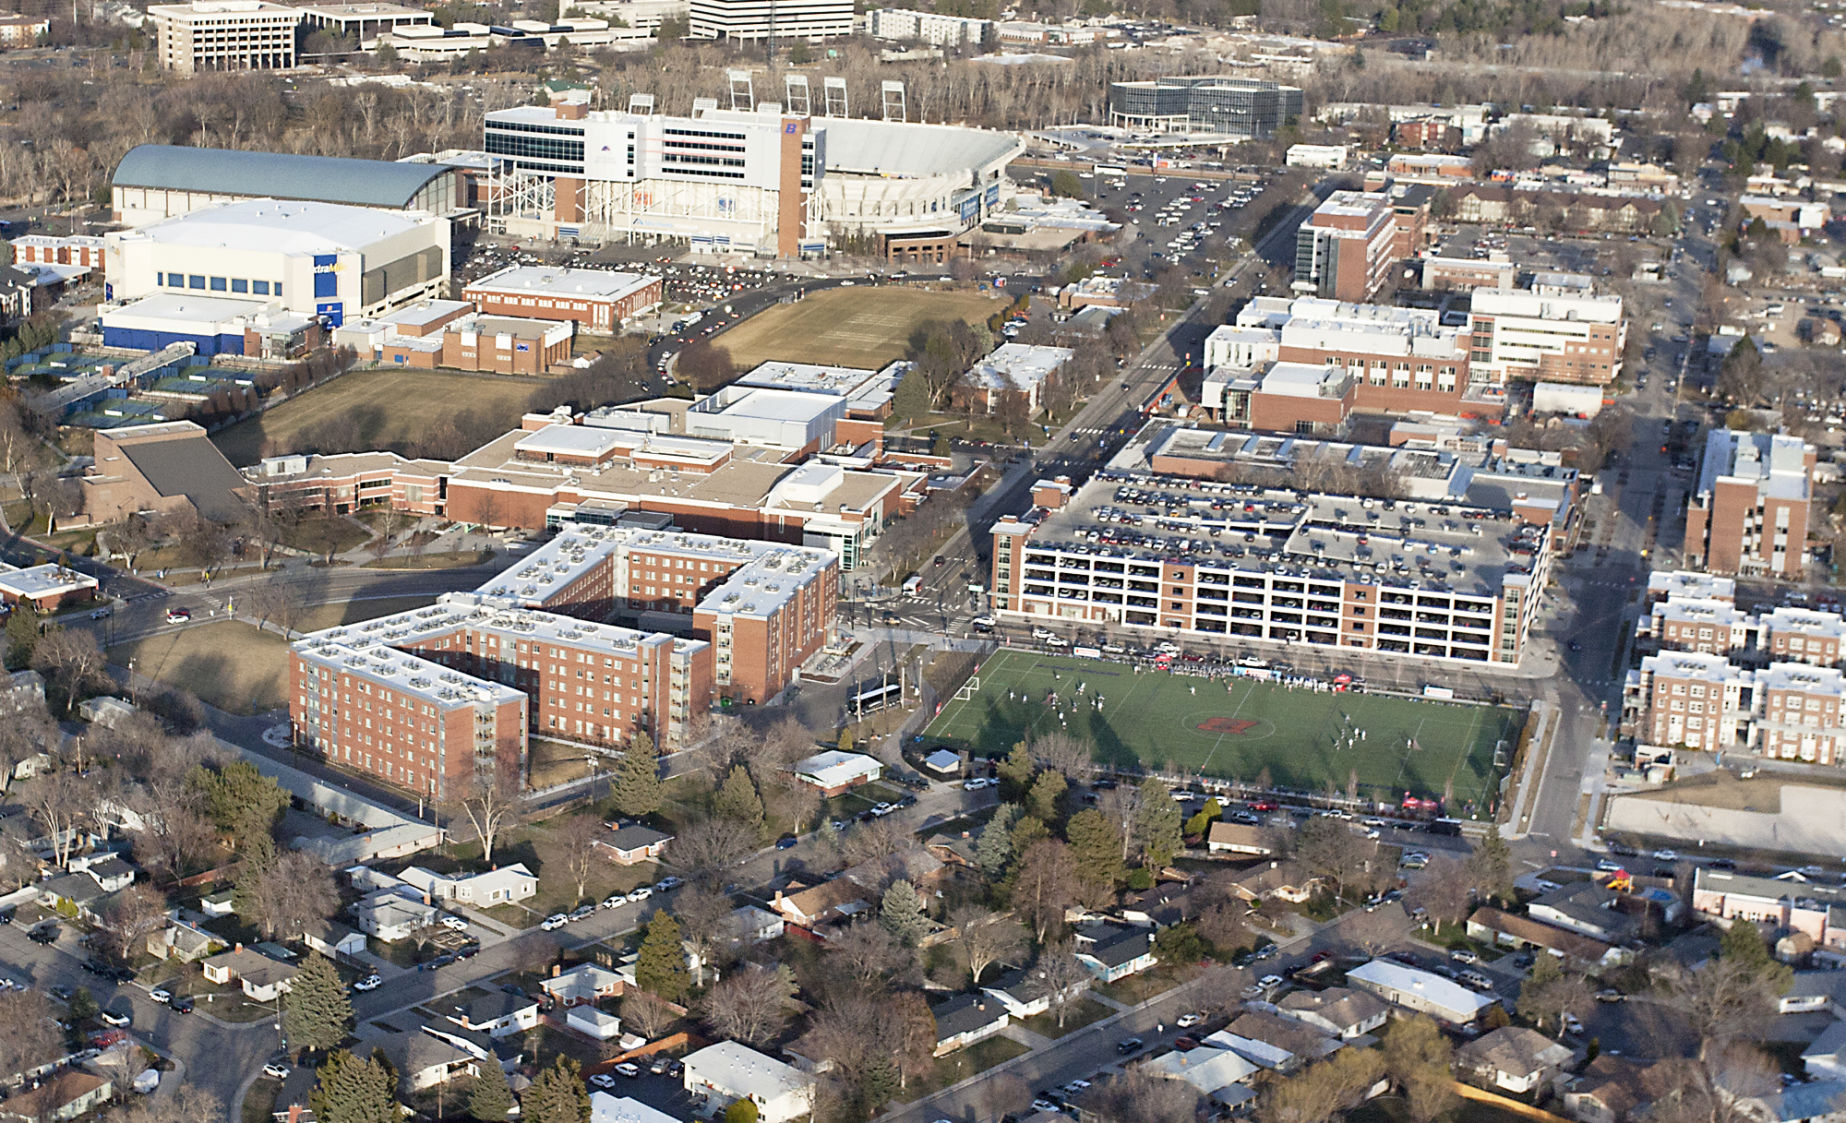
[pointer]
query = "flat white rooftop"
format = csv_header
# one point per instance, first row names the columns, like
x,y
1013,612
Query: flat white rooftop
x,y
593,284
288,227
571,440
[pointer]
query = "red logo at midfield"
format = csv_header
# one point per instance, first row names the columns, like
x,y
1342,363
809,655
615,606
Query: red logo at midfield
x,y
1235,726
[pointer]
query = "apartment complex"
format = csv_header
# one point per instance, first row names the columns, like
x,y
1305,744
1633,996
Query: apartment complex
x,y
422,699
753,20
763,180
1749,512
1346,248
909,25
1790,711
1161,540
225,35
1237,107
764,606
1555,331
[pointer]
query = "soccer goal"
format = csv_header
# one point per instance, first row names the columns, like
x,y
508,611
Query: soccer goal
x,y
967,690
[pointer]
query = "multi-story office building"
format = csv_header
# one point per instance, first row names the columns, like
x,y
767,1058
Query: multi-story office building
x,y
1549,333
908,25
1748,513
752,20
1237,107
1346,248
225,35
1193,556
365,21
768,181
1399,359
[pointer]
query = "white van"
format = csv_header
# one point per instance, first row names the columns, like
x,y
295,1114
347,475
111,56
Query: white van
x,y
913,583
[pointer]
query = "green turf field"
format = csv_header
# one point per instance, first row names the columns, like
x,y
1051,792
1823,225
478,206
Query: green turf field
x,y
1234,729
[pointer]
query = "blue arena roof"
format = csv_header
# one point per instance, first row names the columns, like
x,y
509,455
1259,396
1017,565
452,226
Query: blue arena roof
x,y
275,175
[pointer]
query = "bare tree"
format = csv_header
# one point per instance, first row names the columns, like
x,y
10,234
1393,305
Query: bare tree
x,y
72,661
649,1016
1062,753
870,956
751,1005
988,938
1065,977
709,846
1118,805
130,918
290,894
1138,1096
29,1034
573,845
877,839
1045,885
61,801
1445,892
703,915
491,802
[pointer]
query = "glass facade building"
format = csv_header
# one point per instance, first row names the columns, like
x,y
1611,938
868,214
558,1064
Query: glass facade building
x,y
1241,107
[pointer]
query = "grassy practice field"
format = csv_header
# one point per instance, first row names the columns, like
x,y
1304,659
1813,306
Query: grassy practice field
x,y
1184,724
392,407
857,327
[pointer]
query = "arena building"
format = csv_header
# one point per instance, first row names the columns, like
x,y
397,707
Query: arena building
x,y
317,259
159,181
769,182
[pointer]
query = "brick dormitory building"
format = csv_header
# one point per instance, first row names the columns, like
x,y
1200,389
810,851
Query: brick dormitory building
x,y
419,698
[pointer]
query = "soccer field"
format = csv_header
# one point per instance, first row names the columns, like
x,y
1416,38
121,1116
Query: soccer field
x,y
864,326
1308,740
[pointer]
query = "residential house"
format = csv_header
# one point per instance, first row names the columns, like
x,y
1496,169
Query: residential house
x,y
810,905
1816,1102
110,872
1205,1068
1273,1042
424,1059
390,916
1506,930
1825,1057
915,865
497,1014
836,773
1282,880
73,894
1812,992
503,885
751,925
333,939
956,850
1341,1011
222,903
1162,906
1241,839
1026,993
731,1071
263,979
1585,908
584,983
1422,991
593,1023
1513,1059
965,1019
183,941
633,844
65,1094
1113,951
1605,1090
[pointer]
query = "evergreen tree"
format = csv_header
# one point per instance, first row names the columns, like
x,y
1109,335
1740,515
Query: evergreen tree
x,y
558,1095
846,739
1096,843
738,801
21,637
1157,824
742,1111
994,849
1047,797
351,1090
317,1014
637,778
902,913
661,968
1016,771
911,397
1028,830
491,1097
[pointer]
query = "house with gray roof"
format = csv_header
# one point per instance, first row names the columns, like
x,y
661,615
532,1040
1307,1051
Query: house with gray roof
x,y
967,1018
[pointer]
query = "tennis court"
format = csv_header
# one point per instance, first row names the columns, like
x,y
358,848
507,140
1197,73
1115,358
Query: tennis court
x,y
1308,740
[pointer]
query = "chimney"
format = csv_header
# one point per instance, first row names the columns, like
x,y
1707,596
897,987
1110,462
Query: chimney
x,y
237,947
556,969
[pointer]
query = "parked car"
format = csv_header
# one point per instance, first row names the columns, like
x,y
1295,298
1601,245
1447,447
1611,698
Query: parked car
x,y
602,1080
1666,855
161,995
1610,995
1187,1021
668,884
276,1070
639,893
615,900
1128,1045
580,913
60,992
628,1069
453,923
787,842
178,615
182,1005
370,982
1463,955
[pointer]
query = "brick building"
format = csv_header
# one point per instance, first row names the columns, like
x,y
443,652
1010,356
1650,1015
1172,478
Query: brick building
x,y
1748,513
1557,331
167,467
1346,248
599,299
450,333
